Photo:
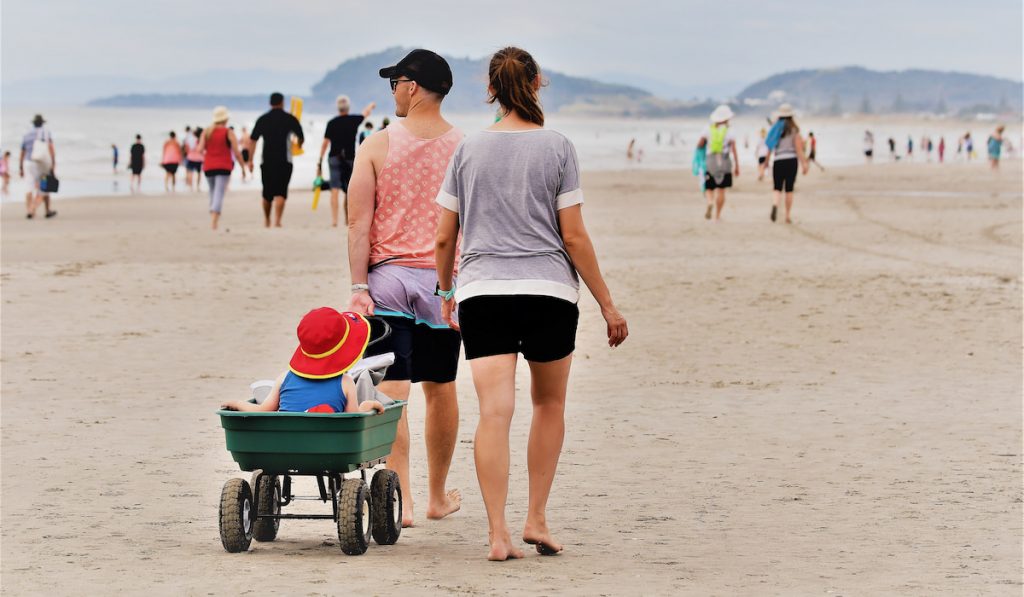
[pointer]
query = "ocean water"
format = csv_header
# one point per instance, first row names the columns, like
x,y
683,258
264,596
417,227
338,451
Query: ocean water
x,y
83,136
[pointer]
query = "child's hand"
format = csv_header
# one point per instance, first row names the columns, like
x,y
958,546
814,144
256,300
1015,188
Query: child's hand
x,y
371,405
232,405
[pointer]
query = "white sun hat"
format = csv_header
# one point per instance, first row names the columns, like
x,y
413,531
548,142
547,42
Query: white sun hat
x,y
721,114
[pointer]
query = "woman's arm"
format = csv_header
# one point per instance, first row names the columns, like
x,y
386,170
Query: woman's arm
x,y
236,148
584,259
798,144
444,256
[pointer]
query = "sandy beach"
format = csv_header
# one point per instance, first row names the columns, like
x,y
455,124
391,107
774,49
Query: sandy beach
x,y
832,407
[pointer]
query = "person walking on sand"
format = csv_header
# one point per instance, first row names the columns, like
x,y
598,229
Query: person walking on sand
x,y
220,149
995,146
136,163
869,146
366,132
276,128
116,155
723,160
762,154
942,148
513,190
37,146
789,154
170,161
340,136
245,143
969,146
892,150
391,227
812,156
5,173
193,159
910,148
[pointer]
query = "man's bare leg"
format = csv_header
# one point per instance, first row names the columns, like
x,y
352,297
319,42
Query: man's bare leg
x,y
278,210
441,433
334,208
398,461
266,213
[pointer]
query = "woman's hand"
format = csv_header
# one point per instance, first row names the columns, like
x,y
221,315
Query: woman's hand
x,y
447,311
617,329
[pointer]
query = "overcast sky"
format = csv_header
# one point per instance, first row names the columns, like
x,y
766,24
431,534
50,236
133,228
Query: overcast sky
x,y
705,42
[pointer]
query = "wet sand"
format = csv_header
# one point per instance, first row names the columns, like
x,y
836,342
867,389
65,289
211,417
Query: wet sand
x,y
832,407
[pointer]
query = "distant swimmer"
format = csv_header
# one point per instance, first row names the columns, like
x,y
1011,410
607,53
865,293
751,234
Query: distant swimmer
x,y
630,149
910,148
869,146
722,159
114,148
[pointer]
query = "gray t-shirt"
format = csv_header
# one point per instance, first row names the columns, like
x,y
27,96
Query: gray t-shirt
x,y
507,188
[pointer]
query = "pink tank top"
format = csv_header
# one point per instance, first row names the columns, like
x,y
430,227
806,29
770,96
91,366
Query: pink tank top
x,y
405,211
172,153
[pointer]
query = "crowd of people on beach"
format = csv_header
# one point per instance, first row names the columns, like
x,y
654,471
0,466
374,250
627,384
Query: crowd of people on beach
x,y
965,151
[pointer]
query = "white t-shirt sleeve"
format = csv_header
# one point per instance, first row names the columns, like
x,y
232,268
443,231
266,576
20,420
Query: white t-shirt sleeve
x,y
448,195
569,191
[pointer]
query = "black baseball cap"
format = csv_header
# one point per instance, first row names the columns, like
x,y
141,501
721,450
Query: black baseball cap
x,y
426,68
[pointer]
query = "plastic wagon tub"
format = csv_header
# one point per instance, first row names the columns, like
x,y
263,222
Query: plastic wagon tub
x,y
276,446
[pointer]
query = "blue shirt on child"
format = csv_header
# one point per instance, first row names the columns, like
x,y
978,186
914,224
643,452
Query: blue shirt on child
x,y
299,394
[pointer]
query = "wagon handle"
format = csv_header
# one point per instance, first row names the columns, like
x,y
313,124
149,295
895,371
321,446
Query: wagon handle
x,y
385,335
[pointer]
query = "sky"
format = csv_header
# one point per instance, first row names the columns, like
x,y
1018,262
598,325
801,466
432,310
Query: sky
x,y
688,45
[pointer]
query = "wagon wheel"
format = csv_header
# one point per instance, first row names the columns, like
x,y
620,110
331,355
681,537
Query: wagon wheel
x,y
268,501
236,510
354,517
386,507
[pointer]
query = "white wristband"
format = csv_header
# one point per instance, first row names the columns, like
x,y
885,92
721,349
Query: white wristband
x,y
360,287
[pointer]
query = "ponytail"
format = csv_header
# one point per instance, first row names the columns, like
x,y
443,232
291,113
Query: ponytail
x,y
512,72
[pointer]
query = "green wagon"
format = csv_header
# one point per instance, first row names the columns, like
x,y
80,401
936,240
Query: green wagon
x,y
276,446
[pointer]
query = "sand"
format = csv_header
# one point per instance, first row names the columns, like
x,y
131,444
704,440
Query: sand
x,y
832,407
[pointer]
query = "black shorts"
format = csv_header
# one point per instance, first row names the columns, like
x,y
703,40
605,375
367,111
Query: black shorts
x,y
784,174
869,152
192,166
543,328
710,184
136,169
245,155
170,168
275,180
422,353
341,172
762,160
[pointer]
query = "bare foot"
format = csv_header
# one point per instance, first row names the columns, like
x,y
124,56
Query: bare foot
x,y
407,518
451,503
502,548
540,536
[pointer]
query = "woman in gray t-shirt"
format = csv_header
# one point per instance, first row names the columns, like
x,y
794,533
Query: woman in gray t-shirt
x,y
514,191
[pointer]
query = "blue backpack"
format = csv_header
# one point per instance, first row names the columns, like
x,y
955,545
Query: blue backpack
x,y
774,134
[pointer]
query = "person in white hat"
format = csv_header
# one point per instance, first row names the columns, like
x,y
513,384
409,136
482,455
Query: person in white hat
x,y
218,145
789,154
722,159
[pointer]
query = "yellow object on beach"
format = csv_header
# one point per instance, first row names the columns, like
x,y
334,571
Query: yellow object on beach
x,y
297,113
316,197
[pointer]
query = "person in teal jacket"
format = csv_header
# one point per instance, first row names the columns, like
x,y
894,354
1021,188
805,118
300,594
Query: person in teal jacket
x,y
700,168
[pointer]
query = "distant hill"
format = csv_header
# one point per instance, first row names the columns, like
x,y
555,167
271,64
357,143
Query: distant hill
x,y
358,79
856,89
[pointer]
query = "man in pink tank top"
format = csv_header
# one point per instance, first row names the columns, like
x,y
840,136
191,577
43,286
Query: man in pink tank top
x,y
392,223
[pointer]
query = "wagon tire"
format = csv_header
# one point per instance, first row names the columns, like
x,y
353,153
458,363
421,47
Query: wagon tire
x,y
236,510
354,517
386,507
268,501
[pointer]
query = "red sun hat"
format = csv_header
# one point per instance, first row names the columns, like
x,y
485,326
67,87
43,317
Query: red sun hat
x,y
329,343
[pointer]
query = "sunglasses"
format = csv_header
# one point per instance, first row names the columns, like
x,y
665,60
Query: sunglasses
x,y
395,82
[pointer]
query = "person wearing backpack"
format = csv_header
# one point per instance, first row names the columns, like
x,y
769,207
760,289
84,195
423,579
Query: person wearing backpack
x,y
37,146
788,155
722,160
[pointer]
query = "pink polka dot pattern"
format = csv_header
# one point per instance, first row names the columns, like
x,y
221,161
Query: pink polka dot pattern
x,y
405,213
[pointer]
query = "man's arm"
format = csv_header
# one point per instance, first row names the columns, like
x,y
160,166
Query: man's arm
x,y
369,109
362,192
297,129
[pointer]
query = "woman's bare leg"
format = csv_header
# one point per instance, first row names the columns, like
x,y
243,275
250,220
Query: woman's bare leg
x,y
494,379
789,206
547,388
719,203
